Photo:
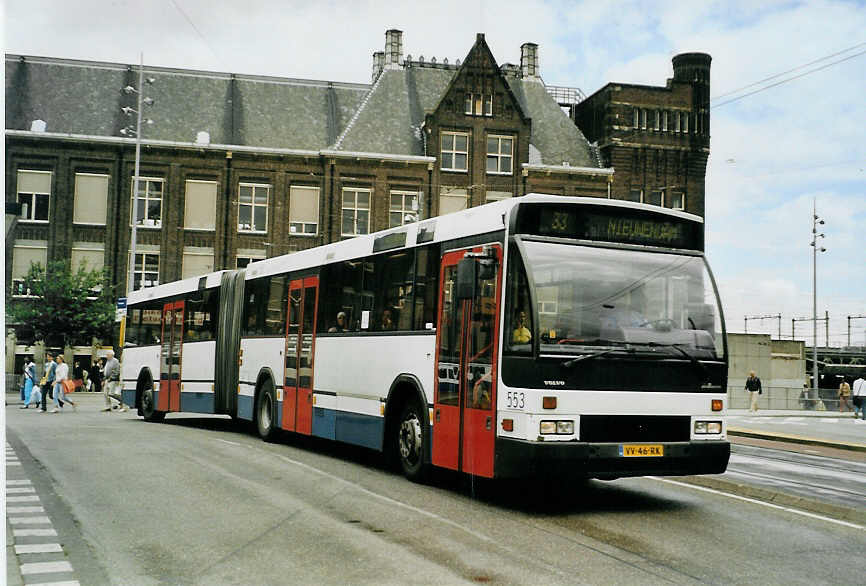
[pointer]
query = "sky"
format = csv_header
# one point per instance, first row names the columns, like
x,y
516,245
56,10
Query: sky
x,y
774,153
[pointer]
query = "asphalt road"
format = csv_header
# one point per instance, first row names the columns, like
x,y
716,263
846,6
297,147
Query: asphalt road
x,y
195,500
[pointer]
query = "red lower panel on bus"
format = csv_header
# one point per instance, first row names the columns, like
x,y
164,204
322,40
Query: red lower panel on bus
x,y
304,422
446,436
290,403
478,442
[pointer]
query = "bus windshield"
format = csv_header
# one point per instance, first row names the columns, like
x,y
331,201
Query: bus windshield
x,y
591,300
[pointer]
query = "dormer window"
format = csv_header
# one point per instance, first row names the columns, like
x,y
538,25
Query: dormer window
x,y
478,105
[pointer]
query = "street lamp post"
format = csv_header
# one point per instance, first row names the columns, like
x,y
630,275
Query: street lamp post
x,y
816,221
135,182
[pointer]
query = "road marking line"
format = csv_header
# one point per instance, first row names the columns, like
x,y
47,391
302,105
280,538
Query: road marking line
x,y
829,420
64,583
17,482
34,532
46,568
13,463
20,510
22,499
792,419
757,502
29,520
20,490
39,548
228,442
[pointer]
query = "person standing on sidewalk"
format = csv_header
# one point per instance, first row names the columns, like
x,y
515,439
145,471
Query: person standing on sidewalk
x,y
859,392
753,385
844,393
111,386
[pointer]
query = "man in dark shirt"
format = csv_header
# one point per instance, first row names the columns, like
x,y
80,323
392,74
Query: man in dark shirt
x,y
753,385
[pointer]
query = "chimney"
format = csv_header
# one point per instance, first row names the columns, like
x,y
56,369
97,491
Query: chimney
x,y
529,61
393,49
378,64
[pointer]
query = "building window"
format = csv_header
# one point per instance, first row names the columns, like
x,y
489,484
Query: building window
x,y
253,207
403,209
148,202
356,212
643,119
303,210
199,212
90,255
146,271
686,122
656,197
497,196
196,262
455,151
636,118
634,195
499,154
677,200
665,121
657,120
478,104
452,200
34,191
22,257
91,199
243,262
677,123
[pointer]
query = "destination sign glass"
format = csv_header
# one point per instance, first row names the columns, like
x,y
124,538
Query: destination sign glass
x,y
609,224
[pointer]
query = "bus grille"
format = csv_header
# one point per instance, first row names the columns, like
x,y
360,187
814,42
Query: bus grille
x,y
634,428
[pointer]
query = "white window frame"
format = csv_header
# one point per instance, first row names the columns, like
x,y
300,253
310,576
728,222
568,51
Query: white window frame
x,y
453,152
143,272
478,104
34,195
355,209
500,155
661,193
636,118
294,225
75,200
643,119
682,200
686,122
665,121
186,210
404,211
145,183
253,205
657,121
678,122
18,281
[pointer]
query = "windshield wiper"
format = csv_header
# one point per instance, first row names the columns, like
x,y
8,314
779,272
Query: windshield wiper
x,y
573,361
692,358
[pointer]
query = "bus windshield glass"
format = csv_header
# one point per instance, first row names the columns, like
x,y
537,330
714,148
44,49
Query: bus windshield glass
x,y
591,300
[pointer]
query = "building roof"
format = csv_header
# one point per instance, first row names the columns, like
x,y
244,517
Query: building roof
x,y
85,98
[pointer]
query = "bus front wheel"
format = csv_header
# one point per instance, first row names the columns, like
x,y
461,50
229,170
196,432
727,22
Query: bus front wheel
x,y
148,406
265,413
410,442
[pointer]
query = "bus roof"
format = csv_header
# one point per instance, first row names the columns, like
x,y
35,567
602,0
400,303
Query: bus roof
x,y
175,288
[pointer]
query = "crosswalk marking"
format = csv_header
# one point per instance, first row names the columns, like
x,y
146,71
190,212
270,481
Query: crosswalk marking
x,y
19,510
20,490
45,567
39,548
29,521
34,533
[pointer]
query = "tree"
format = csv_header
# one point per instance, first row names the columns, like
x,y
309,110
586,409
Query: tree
x,y
62,306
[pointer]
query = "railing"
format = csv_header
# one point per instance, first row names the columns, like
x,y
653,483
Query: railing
x,y
789,398
565,95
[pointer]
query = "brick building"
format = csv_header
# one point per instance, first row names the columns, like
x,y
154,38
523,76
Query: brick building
x,y
238,167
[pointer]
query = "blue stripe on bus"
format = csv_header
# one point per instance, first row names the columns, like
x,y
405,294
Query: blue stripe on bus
x,y
245,407
128,397
361,430
197,402
324,423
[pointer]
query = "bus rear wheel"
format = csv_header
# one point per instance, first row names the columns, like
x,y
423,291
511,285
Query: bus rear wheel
x,y
265,423
148,406
409,440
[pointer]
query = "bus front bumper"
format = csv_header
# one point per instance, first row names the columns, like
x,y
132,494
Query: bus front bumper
x,y
521,458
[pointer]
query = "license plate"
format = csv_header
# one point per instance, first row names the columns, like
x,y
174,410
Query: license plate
x,y
641,450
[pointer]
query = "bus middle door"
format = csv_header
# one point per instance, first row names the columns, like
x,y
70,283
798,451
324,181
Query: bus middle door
x,y
465,400
171,353
300,343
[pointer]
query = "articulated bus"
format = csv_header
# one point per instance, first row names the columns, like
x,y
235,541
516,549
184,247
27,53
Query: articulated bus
x,y
539,335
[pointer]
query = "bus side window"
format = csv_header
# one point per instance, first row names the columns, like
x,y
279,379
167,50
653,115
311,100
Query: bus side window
x,y
426,286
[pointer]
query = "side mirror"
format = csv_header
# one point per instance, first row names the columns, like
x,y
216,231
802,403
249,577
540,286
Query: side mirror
x,y
466,277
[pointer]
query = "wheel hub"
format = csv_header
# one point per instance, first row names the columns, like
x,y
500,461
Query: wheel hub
x,y
410,438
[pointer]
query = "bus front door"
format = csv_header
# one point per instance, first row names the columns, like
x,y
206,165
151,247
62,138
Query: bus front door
x,y
300,343
464,415
170,357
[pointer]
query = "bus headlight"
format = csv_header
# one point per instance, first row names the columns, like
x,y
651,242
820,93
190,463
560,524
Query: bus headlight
x,y
708,427
556,427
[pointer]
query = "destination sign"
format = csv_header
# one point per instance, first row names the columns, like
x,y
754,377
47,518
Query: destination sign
x,y
610,224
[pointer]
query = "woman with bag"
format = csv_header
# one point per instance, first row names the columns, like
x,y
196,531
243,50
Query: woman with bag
x,y
29,380
61,382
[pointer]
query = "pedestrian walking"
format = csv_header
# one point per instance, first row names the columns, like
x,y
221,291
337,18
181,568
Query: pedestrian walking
x,y
47,381
112,382
94,375
844,393
29,380
61,375
753,385
859,392
77,375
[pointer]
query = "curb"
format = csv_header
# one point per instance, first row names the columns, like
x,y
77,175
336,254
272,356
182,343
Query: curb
x,y
796,439
779,498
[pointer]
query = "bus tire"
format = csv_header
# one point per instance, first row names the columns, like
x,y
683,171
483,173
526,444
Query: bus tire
x,y
409,440
265,403
148,405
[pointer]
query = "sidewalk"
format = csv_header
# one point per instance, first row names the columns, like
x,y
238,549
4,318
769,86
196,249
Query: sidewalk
x,y
820,428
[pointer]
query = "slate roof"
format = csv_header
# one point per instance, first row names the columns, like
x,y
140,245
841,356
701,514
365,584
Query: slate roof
x,y
83,97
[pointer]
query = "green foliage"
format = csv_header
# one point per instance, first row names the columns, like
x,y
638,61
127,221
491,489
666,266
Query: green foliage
x,y
65,306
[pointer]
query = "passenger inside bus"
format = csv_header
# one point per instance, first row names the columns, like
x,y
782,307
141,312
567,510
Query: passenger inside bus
x,y
521,334
341,323
387,320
